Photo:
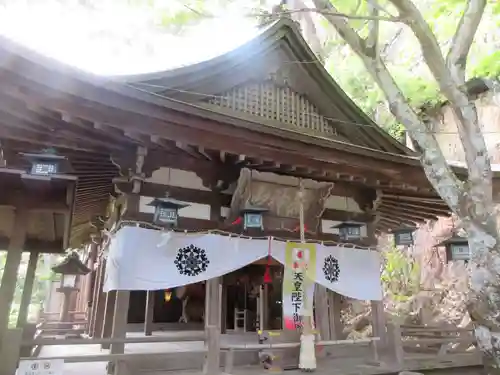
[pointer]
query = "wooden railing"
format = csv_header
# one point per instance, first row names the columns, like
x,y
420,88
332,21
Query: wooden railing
x,y
436,340
231,349
119,361
54,316
417,347
427,347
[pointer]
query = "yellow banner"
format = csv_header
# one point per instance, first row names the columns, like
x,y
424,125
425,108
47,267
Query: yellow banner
x,y
301,255
298,282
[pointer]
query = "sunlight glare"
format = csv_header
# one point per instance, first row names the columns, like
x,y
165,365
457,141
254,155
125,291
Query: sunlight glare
x,y
117,39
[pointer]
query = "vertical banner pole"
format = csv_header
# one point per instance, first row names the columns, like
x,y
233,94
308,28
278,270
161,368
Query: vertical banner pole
x,y
307,357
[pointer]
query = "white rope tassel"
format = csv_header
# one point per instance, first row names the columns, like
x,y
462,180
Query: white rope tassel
x,y
307,356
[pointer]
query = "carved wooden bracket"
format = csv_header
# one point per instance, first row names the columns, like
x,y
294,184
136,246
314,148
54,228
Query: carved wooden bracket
x,y
131,172
262,189
219,177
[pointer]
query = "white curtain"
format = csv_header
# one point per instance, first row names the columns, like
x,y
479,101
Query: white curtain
x,y
147,259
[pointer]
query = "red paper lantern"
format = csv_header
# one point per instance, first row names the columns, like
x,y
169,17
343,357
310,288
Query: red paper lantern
x,y
267,276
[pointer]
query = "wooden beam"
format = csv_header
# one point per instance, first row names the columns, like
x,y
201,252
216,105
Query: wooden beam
x,y
29,280
14,114
188,149
426,212
35,244
119,330
149,313
99,303
415,198
150,189
44,202
203,224
230,168
215,198
45,140
109,310
9,277
396,222
188,223
415,215
437,209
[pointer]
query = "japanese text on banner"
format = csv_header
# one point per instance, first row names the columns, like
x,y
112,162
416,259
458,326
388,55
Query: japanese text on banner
x,y
298,285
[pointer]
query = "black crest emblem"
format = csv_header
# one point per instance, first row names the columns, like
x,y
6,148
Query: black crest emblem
x,y
331,269
191,260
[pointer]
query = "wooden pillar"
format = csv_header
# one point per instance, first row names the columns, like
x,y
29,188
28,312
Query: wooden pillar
x,y
223,324
29,280
379,328
321,317
379,322
334,309
149,314
263,306
119,327
11,351
394,353
87,300
109,311
9,277
213,320
64,313
99,301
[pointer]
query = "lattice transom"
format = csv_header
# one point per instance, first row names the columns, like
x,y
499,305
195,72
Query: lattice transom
x,y
276,103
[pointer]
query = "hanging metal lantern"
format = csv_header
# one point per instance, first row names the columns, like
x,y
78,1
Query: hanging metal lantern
x,y
404,236
253,217
46,163
167,210
349,230
457,248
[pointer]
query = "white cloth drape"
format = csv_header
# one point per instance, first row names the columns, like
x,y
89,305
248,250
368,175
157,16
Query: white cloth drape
x,y
147,259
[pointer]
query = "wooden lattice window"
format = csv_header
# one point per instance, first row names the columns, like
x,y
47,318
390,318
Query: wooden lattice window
x,y
276,103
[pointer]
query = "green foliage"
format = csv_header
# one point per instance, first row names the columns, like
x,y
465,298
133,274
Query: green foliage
x,y
489,66
404,61
176,19
39,290
400,275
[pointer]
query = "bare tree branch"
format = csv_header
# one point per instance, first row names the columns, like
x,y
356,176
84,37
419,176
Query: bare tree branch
x,y
431,51
478,163
463,38
198,13
437,170
376,5
332,14
306,20
391,42
373,32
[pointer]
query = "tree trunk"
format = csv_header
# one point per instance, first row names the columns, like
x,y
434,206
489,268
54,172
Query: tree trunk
x,y
471,200
484,301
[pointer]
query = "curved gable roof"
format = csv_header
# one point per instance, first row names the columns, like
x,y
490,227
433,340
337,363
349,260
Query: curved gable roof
x,y
278,49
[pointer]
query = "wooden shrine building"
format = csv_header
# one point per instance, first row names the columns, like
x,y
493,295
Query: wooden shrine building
x,y
250,125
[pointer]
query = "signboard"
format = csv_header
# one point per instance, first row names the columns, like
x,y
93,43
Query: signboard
x,y
298,284
41,367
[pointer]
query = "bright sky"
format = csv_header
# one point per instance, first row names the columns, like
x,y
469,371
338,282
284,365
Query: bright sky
x,y
117,38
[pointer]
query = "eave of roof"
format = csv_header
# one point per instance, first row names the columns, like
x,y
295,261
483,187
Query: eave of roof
x,y
74,83
22,62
